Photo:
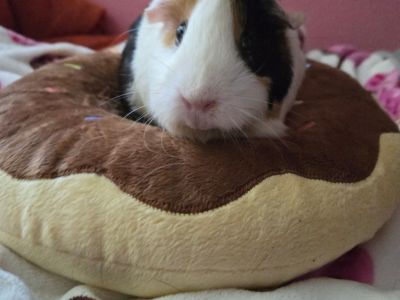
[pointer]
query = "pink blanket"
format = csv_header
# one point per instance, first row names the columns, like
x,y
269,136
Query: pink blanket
x,y
378,262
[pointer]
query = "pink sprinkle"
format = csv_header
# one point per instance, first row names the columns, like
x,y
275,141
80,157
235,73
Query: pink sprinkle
x,y
52,90
308,126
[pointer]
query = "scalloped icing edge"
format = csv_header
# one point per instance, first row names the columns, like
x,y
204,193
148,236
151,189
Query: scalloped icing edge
x,y
158,253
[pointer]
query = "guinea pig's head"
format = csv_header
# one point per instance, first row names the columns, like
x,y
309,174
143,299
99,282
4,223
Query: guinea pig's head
x,y
205,67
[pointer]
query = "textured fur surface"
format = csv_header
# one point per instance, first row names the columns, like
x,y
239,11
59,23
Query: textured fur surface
x,y
211,64
81,133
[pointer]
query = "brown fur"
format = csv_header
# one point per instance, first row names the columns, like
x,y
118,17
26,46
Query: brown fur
x,y
334,136
172,13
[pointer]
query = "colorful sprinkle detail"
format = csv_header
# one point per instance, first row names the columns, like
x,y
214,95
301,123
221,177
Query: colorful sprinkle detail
x,y
93,118
73,66
52,90
308,126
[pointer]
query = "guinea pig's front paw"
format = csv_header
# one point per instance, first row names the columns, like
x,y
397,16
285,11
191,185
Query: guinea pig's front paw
x,y
268,129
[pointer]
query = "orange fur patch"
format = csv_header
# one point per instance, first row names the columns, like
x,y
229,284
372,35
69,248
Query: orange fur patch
x,y
264,80
275,111
172,13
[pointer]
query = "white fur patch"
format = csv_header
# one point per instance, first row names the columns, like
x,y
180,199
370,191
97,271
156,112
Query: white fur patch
x,y
206,66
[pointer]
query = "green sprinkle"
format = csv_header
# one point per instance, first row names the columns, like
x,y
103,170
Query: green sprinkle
x,y
73,66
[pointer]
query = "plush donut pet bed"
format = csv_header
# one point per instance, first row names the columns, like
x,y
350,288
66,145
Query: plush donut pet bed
x,y
108,202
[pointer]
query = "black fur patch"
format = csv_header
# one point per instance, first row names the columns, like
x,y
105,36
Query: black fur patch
x,y
126,75
263,44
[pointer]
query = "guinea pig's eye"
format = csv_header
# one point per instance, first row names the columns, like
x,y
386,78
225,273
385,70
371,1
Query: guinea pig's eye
x,y
180,32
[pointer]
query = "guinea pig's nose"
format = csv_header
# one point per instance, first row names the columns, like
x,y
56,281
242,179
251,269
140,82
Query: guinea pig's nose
x,y
199,105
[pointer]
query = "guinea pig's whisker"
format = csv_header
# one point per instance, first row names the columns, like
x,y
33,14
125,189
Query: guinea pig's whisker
x,y
132,30
143,116
146,128
133,111
114,99
162,141
277,138
283,143
232,136
165,133
242,77
257,119
255,100
237,127
124,33
159,114
148,175
247,114
241,142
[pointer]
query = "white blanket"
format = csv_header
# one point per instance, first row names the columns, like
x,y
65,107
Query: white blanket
x,y
19,55
17,275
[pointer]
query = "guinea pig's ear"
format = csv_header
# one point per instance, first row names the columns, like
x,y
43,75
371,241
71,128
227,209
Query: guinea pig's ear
x,y
158,11
162,11
296,19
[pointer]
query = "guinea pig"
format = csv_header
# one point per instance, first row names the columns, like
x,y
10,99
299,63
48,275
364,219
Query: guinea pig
x,y
206,69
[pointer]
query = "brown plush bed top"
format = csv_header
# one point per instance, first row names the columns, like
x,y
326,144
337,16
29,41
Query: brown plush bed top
x,y
60,121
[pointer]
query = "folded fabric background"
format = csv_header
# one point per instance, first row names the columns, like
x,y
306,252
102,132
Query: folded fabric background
x,y
378,72
20,55
76,21
80,22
